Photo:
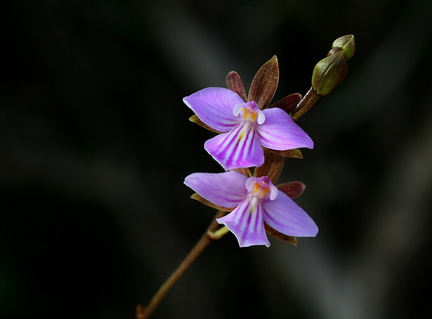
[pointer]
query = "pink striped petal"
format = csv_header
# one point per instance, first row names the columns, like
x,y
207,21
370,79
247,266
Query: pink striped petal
x,y
284,215
223,189
214,106
280,132
236,149
246,223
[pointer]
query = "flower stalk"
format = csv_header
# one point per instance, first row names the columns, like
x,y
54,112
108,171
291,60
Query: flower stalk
x,y
306,103
207,238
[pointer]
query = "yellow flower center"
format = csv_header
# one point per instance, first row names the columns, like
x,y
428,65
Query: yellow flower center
x,y
249,112
259,190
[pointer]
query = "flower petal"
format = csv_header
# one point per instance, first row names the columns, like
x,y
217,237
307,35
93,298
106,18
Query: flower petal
x,y
224,189
280,132
236,149
284,215
246,223
214,106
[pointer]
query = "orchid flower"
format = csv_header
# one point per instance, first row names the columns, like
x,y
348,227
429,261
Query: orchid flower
x,y
255,204
245,124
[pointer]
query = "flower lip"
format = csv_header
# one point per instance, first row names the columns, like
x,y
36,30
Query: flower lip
x,y
250,112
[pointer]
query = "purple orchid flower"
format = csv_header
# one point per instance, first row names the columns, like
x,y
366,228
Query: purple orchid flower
x,y
253,202
245,128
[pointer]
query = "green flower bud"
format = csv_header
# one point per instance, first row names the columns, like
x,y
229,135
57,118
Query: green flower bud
x,y
347,44
329,72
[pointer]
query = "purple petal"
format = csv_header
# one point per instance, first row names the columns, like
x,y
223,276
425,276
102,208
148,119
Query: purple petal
x,y
223,189
237,149
284,215
280,132
246,223
214,106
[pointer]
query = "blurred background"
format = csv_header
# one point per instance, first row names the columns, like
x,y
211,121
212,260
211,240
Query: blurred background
x,y
95,143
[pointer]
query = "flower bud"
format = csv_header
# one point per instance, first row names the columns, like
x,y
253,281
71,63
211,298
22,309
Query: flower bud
x,y
329,72
347,44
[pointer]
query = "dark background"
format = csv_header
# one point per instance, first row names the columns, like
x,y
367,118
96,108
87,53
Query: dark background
x,y
95,143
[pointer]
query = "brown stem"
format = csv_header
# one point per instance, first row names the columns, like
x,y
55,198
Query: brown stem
x,y
306,103
203,242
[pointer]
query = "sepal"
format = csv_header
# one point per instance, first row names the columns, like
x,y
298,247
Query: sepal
x,y
195,119
272,166
292,189
201,199
294,153
264,84
288,103
235,83
279,235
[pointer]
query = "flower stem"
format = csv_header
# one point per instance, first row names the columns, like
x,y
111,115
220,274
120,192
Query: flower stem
x,y
306,103
203,242
218,233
